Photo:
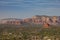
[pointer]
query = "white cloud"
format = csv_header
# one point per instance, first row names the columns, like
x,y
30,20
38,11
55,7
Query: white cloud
x,y
4,3
29,3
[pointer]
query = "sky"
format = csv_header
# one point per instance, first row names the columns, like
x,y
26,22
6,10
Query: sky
x,y
28,8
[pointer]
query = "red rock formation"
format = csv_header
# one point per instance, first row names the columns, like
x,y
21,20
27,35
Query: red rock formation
x,y
46,25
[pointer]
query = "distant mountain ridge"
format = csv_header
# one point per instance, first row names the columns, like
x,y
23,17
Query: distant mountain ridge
x,y
37,19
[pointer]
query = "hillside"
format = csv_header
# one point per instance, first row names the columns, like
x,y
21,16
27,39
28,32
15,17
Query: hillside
x,y
19,32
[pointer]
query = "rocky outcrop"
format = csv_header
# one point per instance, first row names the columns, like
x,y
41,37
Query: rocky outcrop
x,y
37,19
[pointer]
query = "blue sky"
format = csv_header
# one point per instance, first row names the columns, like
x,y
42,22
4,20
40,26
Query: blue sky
x,y
28,8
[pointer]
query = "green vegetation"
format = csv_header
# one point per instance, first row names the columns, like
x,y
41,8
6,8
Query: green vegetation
x,y
19,32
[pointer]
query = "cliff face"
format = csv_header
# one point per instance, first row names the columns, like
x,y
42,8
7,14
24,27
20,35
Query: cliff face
x,y
11,21
52,20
